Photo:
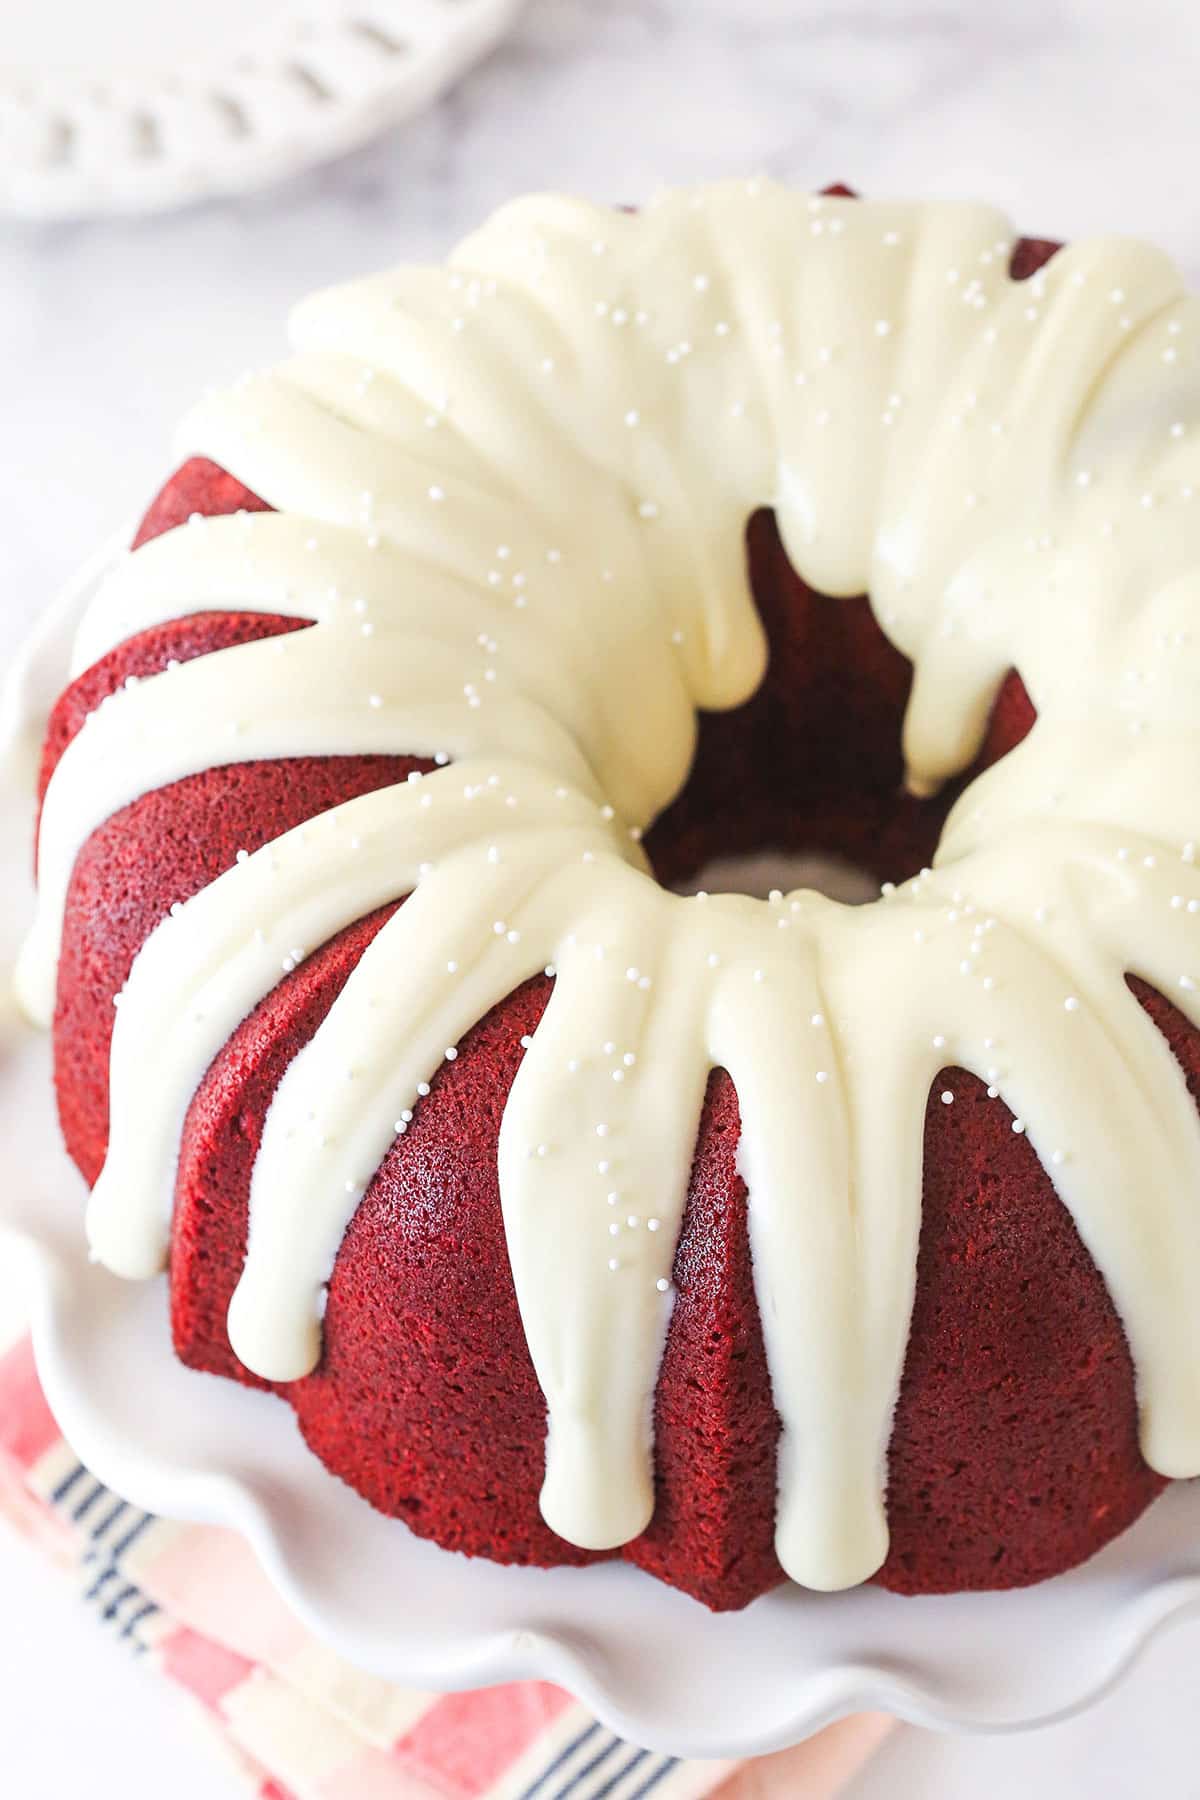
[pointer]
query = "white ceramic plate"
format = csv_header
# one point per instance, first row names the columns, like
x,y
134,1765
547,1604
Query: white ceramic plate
x,y
134,105
654,1666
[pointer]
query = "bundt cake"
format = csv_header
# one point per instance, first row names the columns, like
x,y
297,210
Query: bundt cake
x,y
575,1216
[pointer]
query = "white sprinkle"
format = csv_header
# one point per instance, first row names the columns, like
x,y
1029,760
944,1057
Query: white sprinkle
x,y
947,1097
662,1284
1018,1126
822,1076
451,1053
1071,1004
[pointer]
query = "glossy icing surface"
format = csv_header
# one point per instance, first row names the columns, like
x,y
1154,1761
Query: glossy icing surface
x,y
511,496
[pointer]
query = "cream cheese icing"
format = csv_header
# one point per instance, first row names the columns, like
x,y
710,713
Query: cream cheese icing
x,y
511,495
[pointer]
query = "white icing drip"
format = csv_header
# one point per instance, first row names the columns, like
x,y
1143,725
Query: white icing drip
x,y
512,497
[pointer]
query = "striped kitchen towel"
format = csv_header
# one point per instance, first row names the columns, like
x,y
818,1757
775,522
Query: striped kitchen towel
x,y
297,1722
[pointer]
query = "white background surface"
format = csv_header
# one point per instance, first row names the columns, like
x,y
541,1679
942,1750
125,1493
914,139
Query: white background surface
x,y
1076,116
78,1715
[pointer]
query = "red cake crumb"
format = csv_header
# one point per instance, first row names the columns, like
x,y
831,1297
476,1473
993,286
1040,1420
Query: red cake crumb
x,y
199,487
1014,1452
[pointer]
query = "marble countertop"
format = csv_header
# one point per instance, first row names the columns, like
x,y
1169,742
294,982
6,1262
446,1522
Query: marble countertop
x,y
1075,115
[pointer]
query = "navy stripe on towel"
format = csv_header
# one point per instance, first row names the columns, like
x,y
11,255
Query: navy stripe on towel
x,y
564,1756
660,1774
577,1784
64,1487
635,1761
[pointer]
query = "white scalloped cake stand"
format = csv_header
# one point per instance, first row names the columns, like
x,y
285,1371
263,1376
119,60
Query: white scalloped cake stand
x,y
655,1667
134,105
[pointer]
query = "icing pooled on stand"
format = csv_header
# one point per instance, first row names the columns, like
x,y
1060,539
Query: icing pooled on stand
x,y
511,496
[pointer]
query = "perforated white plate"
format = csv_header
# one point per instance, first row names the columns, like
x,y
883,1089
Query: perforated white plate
x,y
134,105
653,1665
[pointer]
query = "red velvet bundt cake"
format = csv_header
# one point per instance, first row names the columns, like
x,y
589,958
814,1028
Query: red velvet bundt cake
x,y
576,1217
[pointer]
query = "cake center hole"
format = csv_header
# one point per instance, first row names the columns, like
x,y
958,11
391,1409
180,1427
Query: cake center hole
x,y
802,785
759,872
